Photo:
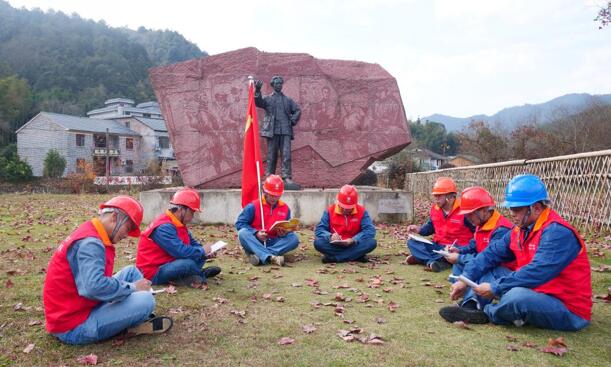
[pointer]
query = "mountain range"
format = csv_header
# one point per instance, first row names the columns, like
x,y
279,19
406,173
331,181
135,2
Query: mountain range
x,y
508,118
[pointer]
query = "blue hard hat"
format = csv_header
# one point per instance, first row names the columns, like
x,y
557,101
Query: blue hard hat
x,y
524,190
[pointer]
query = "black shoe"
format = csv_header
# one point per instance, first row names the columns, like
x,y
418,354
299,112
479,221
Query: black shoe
x,y
291,185
188,280
470,305
453,314
363,259
327,259
439,266
211,271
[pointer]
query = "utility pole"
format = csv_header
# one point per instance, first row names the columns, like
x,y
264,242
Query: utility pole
x,y
107,159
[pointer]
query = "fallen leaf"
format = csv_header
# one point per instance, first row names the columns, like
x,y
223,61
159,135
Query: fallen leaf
x,y
34,322
279,299
380,320
375,340
347,321
19,307
90,359
9,284
558,351
392,306
267,296
309,328
171,290
512,347
341,286
362,298
339,297
511,338
240,314
28,349
319,292
528,344
316,304
312,282
220,300
462,325
296,285
253,278
286,341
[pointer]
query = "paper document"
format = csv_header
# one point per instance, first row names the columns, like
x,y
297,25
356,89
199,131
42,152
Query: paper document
x,y
418,237
339,242
467,281
442,252
218,245
288,225
155,291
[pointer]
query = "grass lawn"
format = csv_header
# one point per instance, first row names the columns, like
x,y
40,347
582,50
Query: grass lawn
x,y
241,317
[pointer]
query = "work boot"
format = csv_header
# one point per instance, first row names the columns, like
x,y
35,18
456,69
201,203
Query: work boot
x,y
411,260
277,260
439,266
468,315
211,271
188,281
363,259
291,185
328,259
254,260
156,325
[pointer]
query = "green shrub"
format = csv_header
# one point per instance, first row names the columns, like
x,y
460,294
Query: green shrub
x,y
54,165
17,170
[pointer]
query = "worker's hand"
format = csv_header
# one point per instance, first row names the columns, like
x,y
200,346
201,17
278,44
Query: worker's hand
x,y
208,250
413,228
281,232
335,236
261,236
484,290
452,258
457,290
452,249
143,285
349,242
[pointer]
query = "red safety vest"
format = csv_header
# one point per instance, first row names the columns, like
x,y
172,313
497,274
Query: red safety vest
x,y
347,226
271,215
483,234
451,227
65,309
573,285
150,255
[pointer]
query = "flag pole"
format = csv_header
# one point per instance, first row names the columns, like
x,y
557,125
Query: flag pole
x,y
259,192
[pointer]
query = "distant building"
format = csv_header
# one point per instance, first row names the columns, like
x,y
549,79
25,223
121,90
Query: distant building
x,y
136,135
463,160
426,160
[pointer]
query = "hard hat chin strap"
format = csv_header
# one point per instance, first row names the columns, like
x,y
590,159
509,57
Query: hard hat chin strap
x,y
121,219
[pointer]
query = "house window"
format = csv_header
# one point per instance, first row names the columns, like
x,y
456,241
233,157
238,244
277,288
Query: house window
x,y
100,141
164,142
129,143
129,166
146,115
80,140
80,165
127,123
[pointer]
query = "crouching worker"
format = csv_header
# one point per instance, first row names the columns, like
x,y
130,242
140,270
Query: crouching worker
x,y
167,252
477,205
84,303
345,231
447,226
551,286
260,244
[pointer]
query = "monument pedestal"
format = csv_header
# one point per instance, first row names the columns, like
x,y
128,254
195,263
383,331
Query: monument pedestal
x,y
222,206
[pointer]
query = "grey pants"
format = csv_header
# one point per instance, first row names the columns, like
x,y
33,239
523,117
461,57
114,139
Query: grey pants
x,y
282,144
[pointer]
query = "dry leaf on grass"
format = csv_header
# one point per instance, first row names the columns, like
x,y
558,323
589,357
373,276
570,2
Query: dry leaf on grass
x,y
462,325
286,341
512,347
171,290
28,349
555,346
90,359
309,328
392,306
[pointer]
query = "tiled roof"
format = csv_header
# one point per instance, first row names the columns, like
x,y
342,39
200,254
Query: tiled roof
x,y
155,124
88,124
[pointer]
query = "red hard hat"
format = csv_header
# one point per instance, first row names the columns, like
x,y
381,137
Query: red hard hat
x,y
129,206
444,185
187,197
347,197
273,185
473,198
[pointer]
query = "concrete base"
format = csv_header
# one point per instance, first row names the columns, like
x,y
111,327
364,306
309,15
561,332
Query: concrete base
x,y
223,206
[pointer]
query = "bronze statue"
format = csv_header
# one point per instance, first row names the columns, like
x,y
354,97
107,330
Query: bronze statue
x,y
281,114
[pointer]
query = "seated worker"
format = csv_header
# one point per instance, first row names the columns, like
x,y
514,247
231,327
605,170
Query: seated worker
x,y
551,286
167,252
84,303
477,205
348,222
259,243
447,226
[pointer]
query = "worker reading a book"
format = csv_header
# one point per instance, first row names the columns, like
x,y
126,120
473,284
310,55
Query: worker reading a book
x,y
167,252
345,231
265,228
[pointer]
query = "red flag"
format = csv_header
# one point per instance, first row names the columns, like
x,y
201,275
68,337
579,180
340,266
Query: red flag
x,y
252,153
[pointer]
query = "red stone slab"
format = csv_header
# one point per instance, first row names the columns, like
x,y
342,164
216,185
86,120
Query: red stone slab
x,y
352,115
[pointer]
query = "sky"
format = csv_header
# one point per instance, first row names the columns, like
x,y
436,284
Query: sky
x,y
455,57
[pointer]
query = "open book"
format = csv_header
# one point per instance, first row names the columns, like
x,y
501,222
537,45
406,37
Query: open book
x,y
339,242
467,281
218,245
287,225
419,238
